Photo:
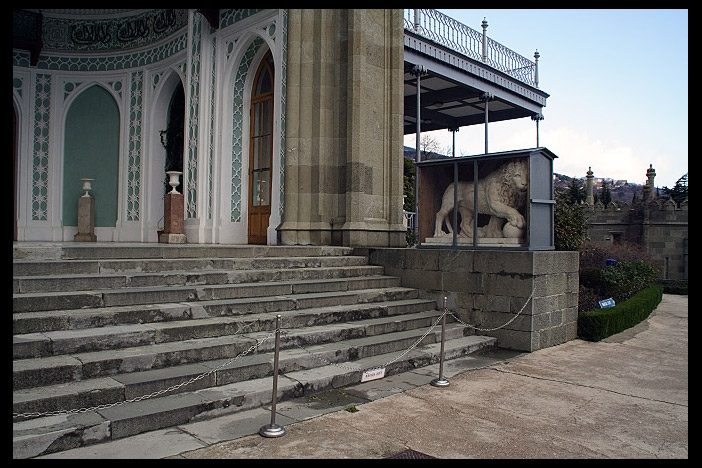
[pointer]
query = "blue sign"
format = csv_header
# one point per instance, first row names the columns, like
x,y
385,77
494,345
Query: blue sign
x,y
610,262
606,303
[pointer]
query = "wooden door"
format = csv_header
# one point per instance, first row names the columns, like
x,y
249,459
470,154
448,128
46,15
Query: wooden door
x,y
261,152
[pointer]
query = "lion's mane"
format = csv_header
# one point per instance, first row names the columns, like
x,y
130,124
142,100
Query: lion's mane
x,y
509,194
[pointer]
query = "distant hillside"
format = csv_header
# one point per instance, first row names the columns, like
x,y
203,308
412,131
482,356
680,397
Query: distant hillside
x,y
621,190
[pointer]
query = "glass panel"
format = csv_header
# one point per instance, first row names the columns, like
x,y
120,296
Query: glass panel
x,y
266,117
264,82
255,189
256,153
263,188
265,151
257,119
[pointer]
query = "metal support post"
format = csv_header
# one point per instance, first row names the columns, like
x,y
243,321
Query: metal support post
x,y
536,68
486,97
441,381
537,118
484,24
273,429
453,130
418,70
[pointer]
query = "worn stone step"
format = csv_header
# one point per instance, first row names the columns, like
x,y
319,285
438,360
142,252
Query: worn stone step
x,y
58,342
243,310
80,282
82,366
56,251
150,295
61,432
141,265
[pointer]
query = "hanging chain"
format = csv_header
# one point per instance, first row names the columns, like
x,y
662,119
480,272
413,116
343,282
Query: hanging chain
x,y
150,395
496,328
256,345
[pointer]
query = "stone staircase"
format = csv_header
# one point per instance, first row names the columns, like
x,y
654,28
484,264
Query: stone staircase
x,y
146,336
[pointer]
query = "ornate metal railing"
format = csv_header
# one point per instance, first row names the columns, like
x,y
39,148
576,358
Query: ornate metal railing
x,y
457,36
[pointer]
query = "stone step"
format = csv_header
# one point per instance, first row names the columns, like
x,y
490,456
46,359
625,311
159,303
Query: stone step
x,y
59,342
140,265
153,295
65,368
245,309
56,251
158,367
83,282
55,433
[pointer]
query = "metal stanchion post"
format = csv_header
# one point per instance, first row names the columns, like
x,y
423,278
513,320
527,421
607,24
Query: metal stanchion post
x,y
273,429
441,381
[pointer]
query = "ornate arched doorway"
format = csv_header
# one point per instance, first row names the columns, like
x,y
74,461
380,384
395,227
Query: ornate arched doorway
x,y
261,152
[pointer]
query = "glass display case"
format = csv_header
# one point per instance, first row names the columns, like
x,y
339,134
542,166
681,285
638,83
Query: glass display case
x,y
494,200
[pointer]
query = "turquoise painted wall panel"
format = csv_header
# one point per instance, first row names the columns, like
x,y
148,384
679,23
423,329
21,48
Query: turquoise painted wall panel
x,y
92,150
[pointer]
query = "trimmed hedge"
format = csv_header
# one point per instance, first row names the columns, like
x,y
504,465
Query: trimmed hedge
x,y
597,325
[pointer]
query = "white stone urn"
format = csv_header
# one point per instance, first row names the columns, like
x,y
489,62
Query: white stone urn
x,y
173,180
87,187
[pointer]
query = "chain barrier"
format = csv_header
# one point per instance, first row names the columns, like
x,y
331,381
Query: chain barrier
x,y
356,368
496,328
255,346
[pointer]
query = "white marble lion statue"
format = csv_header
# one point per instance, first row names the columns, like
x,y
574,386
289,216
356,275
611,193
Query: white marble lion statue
x,y
500,194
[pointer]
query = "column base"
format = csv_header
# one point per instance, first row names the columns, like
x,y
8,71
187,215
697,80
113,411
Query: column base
x,y
167,238
85,237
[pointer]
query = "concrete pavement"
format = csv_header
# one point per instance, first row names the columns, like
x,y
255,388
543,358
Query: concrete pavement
x,y
623,397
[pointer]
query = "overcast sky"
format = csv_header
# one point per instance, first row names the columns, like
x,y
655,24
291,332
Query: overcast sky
x,y
617,81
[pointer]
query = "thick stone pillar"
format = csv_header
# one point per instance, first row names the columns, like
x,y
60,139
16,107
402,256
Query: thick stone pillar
x,y
344,105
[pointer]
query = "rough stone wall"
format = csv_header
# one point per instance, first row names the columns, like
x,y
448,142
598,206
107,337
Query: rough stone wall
x,y
661,226
486,288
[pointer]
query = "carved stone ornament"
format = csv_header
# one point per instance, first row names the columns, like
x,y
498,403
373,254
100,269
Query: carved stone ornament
x,y
501,194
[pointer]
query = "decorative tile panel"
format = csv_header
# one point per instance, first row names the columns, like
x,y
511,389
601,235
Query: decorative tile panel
x,y
237,123
135,143
40,160
105,63
212,124
231,16
193,124
283,93
17,83
71,34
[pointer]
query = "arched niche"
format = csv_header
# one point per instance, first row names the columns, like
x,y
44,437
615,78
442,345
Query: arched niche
x,y
91,150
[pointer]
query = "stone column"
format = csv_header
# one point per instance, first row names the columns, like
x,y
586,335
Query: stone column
x,y
344,111
589,187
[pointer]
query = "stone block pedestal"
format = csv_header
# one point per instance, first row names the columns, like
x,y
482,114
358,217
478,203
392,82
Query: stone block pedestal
x,y
173,212
86,220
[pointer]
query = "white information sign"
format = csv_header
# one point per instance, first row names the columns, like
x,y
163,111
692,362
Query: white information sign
x,y
373,374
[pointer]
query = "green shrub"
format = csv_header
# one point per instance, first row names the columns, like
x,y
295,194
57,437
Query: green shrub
x,y
569,224
674,287
599,324
595,256
623,280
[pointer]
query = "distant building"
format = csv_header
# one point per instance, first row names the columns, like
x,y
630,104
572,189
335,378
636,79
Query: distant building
x,y
658,224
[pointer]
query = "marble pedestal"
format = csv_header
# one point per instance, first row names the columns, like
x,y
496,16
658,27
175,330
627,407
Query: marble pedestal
x,y
173,211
